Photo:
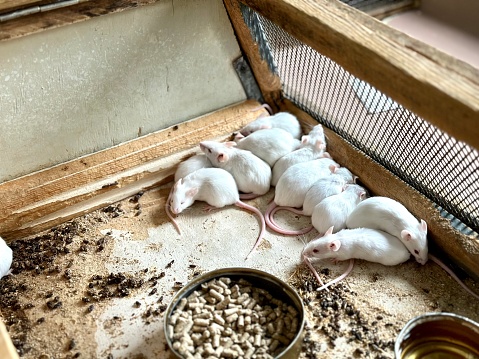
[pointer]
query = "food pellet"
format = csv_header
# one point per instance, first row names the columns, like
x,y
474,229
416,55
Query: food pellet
x,y
232,319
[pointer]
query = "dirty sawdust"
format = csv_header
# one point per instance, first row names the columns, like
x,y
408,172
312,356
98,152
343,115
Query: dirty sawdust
x,y
98,286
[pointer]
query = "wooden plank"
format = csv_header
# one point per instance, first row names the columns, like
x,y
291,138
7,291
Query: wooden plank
x,y
461,249
46,198
268,82
436,86
12,4
7,350
68,15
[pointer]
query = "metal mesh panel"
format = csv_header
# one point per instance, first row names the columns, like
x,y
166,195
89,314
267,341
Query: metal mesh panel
x,y
443,169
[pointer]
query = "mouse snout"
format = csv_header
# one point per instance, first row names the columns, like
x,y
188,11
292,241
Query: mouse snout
x,y
421,259
175,209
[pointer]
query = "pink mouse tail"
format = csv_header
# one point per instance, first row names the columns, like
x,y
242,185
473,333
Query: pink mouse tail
x,y
244,196
168,213
314,271
265,105
340,278
263,224
454,276
272,209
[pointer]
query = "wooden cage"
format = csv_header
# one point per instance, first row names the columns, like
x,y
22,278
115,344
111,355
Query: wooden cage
x,y
433,85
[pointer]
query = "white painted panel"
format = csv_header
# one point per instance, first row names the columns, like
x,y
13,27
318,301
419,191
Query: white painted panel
x,y
81,88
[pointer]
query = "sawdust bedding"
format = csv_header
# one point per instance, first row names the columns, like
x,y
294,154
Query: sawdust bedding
x,y
68,281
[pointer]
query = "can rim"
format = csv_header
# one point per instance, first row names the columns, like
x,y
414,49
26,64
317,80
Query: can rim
x,y
237,271
429,317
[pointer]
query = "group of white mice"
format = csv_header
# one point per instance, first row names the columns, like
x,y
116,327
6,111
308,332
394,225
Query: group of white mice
x,y
271,151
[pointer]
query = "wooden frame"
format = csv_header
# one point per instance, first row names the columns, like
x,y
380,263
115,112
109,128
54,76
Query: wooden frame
x,y
428,82
85,10
46,198
7,350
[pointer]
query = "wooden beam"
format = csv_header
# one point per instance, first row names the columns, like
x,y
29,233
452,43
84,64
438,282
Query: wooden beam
x,y
44,199
461,249
7,350
435,86
35,23
268,82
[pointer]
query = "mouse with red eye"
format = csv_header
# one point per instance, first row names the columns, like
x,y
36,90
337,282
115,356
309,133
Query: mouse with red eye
x,y
388,215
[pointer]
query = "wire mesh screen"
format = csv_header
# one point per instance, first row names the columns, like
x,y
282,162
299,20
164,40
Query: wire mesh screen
x,y
443,169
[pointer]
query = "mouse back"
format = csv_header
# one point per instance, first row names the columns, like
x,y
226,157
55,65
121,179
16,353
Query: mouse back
x,y
192,164
269,144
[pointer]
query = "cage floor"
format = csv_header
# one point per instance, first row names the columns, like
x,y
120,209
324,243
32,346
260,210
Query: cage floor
x,y
64,300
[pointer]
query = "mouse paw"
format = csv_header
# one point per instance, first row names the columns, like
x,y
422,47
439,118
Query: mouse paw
x,y
209,208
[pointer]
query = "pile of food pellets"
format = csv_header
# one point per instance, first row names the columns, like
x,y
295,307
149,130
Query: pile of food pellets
x,y
232,319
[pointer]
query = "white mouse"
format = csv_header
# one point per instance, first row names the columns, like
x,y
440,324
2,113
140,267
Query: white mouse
x,y
295,182
362,243
391,216
284,120
368,244
252,174
333,211
192,164
312,147
268,144
293,185
186,167
214,186
6,258
321,189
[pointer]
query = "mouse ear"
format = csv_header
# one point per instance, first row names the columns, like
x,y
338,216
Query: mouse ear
x,y
192,192
304,139
335,245
423,226
230,144
329,231
362,195
355,178
222,157
406,235
265,127
333,168
320,146
238,136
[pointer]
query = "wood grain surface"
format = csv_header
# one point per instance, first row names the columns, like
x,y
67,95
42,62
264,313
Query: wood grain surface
x,y
44,199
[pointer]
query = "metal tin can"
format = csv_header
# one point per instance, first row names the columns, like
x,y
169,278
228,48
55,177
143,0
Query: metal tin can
x,y
259,279
437,336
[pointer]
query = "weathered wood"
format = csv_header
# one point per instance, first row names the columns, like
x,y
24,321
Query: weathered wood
x,y
461,249
436,86
268,82
68,15
7,350
46,198
13,4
